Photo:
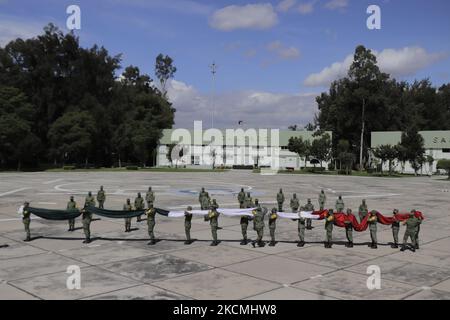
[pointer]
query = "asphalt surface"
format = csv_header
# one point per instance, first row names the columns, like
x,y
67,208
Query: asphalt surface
x,y
118,265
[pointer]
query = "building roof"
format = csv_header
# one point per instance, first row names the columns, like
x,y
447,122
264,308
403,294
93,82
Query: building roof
x,y
261,137
432,139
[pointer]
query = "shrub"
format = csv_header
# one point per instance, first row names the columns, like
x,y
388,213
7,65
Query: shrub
x,y
132,168
68,167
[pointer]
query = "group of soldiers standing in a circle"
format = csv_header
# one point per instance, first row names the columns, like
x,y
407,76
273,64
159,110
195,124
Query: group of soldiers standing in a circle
x,y
245,201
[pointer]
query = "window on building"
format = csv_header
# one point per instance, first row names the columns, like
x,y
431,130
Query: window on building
x,y
445,150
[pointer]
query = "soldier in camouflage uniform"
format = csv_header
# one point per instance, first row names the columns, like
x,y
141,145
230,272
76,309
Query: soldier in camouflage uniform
x,y
71,205
349,229
294,204
419,219
26,219
272,226
395,229
309,207
101,197
373,221
213,217
150,197
241,198
248,203
206,202
411,229
322,200
139,205
280,200
89,201
259,214
202,195
151,221
339,204
86,219
301,230
187,225
362,211
329,222
127,207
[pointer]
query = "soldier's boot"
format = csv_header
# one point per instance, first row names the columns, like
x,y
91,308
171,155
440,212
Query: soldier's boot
x,y
27,239
403,248
374,245
261,243
254,244
325,244
244,242
300,243
330,245
87,240
214,243
413,249
417,246
350,244
187,242
151,242
394,245
272,243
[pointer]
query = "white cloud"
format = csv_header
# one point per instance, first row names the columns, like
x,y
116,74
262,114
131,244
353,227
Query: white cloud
x,y
250,16
11,28
258,109
336,4
397,62
306,8
285,5
282,51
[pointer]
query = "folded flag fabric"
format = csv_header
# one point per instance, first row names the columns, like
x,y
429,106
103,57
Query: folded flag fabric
x,y
225,212
50,214
114,214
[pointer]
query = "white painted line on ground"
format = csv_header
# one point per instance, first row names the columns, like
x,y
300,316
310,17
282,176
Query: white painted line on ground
x,y
52,181
12,191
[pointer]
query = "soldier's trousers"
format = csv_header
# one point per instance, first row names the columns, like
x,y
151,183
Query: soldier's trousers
x,y
187,230
241,205
260,234
308,223
417,235
412,236
349,234
87,228
373,235
301,232
280,207
244,227
272,233
361,217
26,224
127,224
329,235
214,232
151,227
100,204
395,234
71,224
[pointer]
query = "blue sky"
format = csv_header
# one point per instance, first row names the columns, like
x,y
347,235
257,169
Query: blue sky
x,y
273,56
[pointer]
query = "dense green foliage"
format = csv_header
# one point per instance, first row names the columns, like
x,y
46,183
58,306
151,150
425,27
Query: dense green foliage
x,y
444,164
389,105
64,104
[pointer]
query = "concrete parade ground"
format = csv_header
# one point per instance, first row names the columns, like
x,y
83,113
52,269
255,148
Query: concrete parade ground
x,y
119,265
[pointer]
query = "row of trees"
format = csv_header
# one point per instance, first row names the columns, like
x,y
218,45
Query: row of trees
x,y
369,100
317,150
410,149
61,103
